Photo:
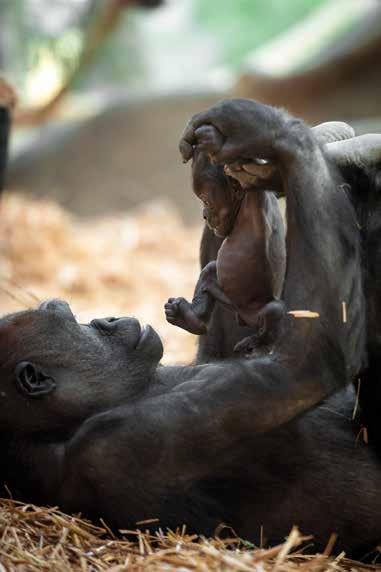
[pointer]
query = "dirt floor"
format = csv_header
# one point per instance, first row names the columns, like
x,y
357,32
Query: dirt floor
x,y
124,265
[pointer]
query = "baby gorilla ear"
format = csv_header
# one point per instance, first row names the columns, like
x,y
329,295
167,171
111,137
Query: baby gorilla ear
x,y
31,381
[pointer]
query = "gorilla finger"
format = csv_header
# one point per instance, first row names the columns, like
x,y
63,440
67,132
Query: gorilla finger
x,y
230,152
209,139
182,304
170,313
186,150
187,139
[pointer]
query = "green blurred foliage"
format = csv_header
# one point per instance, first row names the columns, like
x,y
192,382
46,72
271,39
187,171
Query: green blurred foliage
x,y
245,24
238,26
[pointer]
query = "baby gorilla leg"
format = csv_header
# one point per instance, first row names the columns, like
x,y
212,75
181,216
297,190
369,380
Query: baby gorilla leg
x,y
194,316
269,320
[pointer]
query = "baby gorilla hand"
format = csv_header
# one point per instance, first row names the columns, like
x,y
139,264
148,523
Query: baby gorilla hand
x,y
179,312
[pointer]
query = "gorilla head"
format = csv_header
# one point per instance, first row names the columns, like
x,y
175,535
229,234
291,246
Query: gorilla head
x,y
70,370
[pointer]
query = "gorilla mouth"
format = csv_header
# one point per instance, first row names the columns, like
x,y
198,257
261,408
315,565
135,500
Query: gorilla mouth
x,y
145,332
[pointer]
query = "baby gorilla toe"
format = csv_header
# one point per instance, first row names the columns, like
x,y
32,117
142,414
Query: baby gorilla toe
x,y
179,312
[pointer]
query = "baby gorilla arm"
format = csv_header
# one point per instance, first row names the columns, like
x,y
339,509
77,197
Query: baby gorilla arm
x,y
194,316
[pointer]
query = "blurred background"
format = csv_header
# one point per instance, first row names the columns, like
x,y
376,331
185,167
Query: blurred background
x,y
98,207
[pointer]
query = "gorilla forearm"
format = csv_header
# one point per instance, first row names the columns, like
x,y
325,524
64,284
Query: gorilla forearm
x,y
176,439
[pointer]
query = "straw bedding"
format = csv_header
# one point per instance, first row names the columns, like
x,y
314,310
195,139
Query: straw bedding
x,y
126,264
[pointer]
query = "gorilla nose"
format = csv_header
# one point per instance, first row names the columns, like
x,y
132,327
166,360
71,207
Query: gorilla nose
x,y
126,328
107,324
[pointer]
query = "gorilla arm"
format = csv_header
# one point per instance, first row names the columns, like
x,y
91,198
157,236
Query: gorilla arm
x,y
144,460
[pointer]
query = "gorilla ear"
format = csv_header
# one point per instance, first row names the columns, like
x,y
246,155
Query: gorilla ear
x,y
31,381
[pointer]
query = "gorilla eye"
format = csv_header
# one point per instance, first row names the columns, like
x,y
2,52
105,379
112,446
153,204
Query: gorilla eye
x,y
31,381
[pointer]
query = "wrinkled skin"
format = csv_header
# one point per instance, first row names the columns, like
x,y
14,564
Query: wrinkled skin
x,y
248,274
89,420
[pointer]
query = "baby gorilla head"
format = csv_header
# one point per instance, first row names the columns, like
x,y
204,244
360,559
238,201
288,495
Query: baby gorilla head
x,y
221,195
56,372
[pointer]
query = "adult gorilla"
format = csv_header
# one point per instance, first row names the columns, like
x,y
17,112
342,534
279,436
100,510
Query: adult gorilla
x,y
90,422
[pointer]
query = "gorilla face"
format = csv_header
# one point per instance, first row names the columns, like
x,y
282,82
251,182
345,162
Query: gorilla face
x,y
54,372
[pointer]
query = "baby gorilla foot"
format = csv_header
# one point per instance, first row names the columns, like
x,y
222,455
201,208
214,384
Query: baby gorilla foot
x,y
269,320
179,312
248,346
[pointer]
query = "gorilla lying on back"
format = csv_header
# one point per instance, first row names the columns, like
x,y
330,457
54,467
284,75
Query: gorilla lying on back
x,y
90,421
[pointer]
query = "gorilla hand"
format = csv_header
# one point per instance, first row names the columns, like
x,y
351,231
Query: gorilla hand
x,y
237,130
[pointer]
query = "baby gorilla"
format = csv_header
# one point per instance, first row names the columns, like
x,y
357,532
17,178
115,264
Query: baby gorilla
x,y
248,273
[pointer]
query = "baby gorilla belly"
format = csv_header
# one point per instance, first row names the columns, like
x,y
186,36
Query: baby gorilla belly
x,y
245,277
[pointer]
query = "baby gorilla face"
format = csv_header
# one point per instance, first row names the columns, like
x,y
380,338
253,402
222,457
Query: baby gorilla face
x,y
220,194
221,204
